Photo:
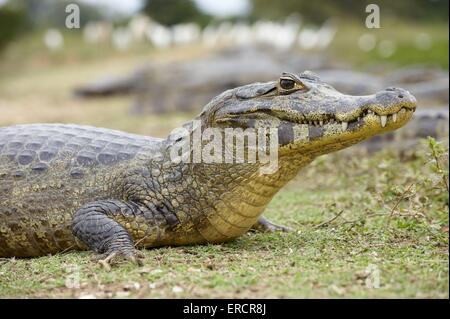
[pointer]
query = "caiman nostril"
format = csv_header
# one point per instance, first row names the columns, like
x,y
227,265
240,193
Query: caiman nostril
x,y
400,96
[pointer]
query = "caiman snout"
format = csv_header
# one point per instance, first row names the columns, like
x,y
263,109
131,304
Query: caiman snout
x,y
395,96
392,106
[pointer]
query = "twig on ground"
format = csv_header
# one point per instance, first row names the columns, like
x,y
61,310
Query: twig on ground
x,y
398,203
363,218
330,220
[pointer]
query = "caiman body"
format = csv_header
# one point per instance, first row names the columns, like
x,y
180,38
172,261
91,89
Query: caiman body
x,y
76,187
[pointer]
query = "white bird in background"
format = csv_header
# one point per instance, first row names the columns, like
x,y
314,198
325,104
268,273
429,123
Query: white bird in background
x,y
282,36
121,38
53,40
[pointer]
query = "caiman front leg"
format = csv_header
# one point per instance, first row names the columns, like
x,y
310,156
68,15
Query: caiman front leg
x,y
95,226
266,226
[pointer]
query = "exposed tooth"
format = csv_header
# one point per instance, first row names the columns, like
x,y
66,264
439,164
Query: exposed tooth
x,y
394,117
321,122
344,126
369,111
383,119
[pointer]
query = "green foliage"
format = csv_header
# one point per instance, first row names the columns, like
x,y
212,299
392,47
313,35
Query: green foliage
x,y
12,22
319,11
402,34
439,157
175,11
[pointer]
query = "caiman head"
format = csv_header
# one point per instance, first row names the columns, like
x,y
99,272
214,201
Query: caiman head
x,y
311,116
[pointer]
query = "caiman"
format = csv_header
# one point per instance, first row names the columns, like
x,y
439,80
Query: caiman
x,y
68,187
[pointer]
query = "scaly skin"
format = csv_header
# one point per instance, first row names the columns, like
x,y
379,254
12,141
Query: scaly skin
x,y
76,187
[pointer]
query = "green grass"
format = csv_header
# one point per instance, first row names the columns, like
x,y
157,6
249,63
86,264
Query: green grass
x,y
349,213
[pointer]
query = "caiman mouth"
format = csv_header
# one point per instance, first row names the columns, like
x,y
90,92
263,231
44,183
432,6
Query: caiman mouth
x,y
359,117
394,114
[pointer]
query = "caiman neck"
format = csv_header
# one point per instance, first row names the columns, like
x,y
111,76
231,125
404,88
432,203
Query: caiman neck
x,y
226,199
235,195
247,182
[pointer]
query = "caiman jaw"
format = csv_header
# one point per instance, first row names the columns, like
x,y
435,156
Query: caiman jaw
x,y
371,115
387,108
401,112
404,113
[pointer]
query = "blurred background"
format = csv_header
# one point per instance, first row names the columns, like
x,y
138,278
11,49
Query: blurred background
x,y
147,66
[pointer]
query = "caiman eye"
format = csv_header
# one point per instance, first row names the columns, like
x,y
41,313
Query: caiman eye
x,y
287,84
